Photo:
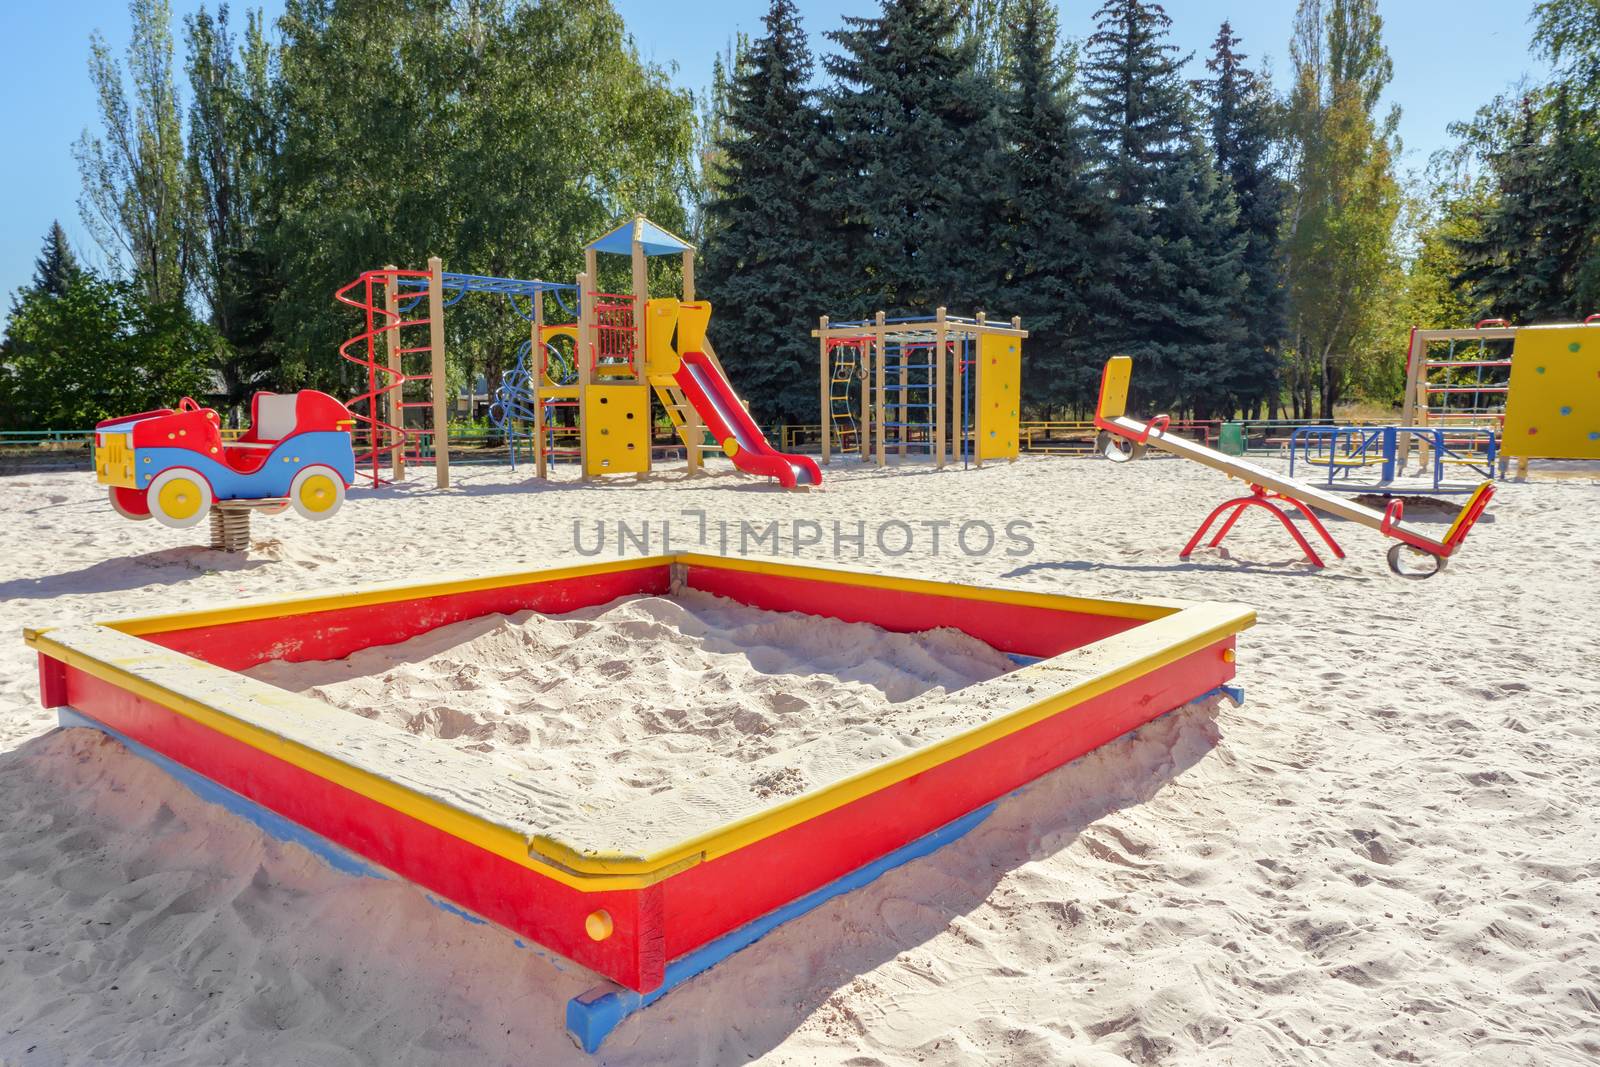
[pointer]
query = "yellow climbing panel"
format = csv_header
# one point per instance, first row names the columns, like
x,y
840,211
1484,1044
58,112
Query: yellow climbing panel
x,y
1553,404
616,430
999,396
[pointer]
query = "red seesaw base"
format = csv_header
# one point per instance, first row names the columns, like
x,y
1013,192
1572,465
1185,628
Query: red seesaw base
x,y
1262,498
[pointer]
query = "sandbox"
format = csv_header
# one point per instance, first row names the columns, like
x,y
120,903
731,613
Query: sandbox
x,y
652,890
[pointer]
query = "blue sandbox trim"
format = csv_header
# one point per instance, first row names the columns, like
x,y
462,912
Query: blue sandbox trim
x,y
204,788
592,1016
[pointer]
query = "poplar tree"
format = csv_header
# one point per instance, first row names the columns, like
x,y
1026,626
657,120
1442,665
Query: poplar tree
x,y
1345,198
760,266
135,195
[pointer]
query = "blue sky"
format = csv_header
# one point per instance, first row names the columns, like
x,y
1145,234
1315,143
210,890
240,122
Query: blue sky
x,y
1450,56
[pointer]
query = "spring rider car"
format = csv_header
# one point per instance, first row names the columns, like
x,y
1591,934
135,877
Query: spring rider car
x,y
175,467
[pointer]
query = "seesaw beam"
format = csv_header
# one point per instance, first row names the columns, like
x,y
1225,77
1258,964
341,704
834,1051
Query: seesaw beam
x,y
1111,417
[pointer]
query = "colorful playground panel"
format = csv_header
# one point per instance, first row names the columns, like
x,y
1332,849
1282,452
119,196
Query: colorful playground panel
x,y
1553,407
999,396
643,905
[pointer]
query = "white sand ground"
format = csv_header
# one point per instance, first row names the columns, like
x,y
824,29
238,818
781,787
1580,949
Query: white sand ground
x,y
1388,854
638,696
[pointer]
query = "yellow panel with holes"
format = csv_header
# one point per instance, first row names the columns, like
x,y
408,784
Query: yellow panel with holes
x,y
1553,405
616,429
999,396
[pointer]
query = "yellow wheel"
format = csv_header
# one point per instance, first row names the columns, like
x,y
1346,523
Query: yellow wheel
x,y
179,498
730,447
316,492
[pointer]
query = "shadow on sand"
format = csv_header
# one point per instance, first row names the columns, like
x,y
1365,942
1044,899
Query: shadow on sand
x,y
743,1008
169,566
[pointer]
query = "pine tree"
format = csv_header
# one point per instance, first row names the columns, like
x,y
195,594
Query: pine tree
x,y
57,266
916,154
1566,263
1534,254
1169,248
1240,106
762,225
1053,212
1497,256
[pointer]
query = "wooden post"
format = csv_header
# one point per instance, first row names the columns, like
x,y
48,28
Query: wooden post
x,y
440,380
582,354
641,297
827,388
880,405
940,357
1416,377
694,434
977,394
396,396
540,462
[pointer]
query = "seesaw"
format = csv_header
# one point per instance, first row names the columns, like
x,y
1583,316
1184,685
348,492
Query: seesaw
x,y
1122,438
644,901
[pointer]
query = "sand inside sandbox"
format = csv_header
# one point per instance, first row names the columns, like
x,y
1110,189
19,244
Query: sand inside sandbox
x,y
601,708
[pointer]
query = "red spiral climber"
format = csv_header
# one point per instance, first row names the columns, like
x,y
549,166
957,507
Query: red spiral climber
x,y
374,435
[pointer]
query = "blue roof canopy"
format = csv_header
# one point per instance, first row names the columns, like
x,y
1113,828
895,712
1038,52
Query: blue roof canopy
x,y
656,241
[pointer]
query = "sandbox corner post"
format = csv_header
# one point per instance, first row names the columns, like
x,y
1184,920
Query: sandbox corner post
x,y
650,937
592,1015
52,682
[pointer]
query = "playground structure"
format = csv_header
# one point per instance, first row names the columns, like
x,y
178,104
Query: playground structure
x,y
645,904
405,367
1538,386
588,398
1124,438
939,386
174,466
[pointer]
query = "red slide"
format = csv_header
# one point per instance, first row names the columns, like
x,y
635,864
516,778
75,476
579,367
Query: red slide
x,y
727,419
